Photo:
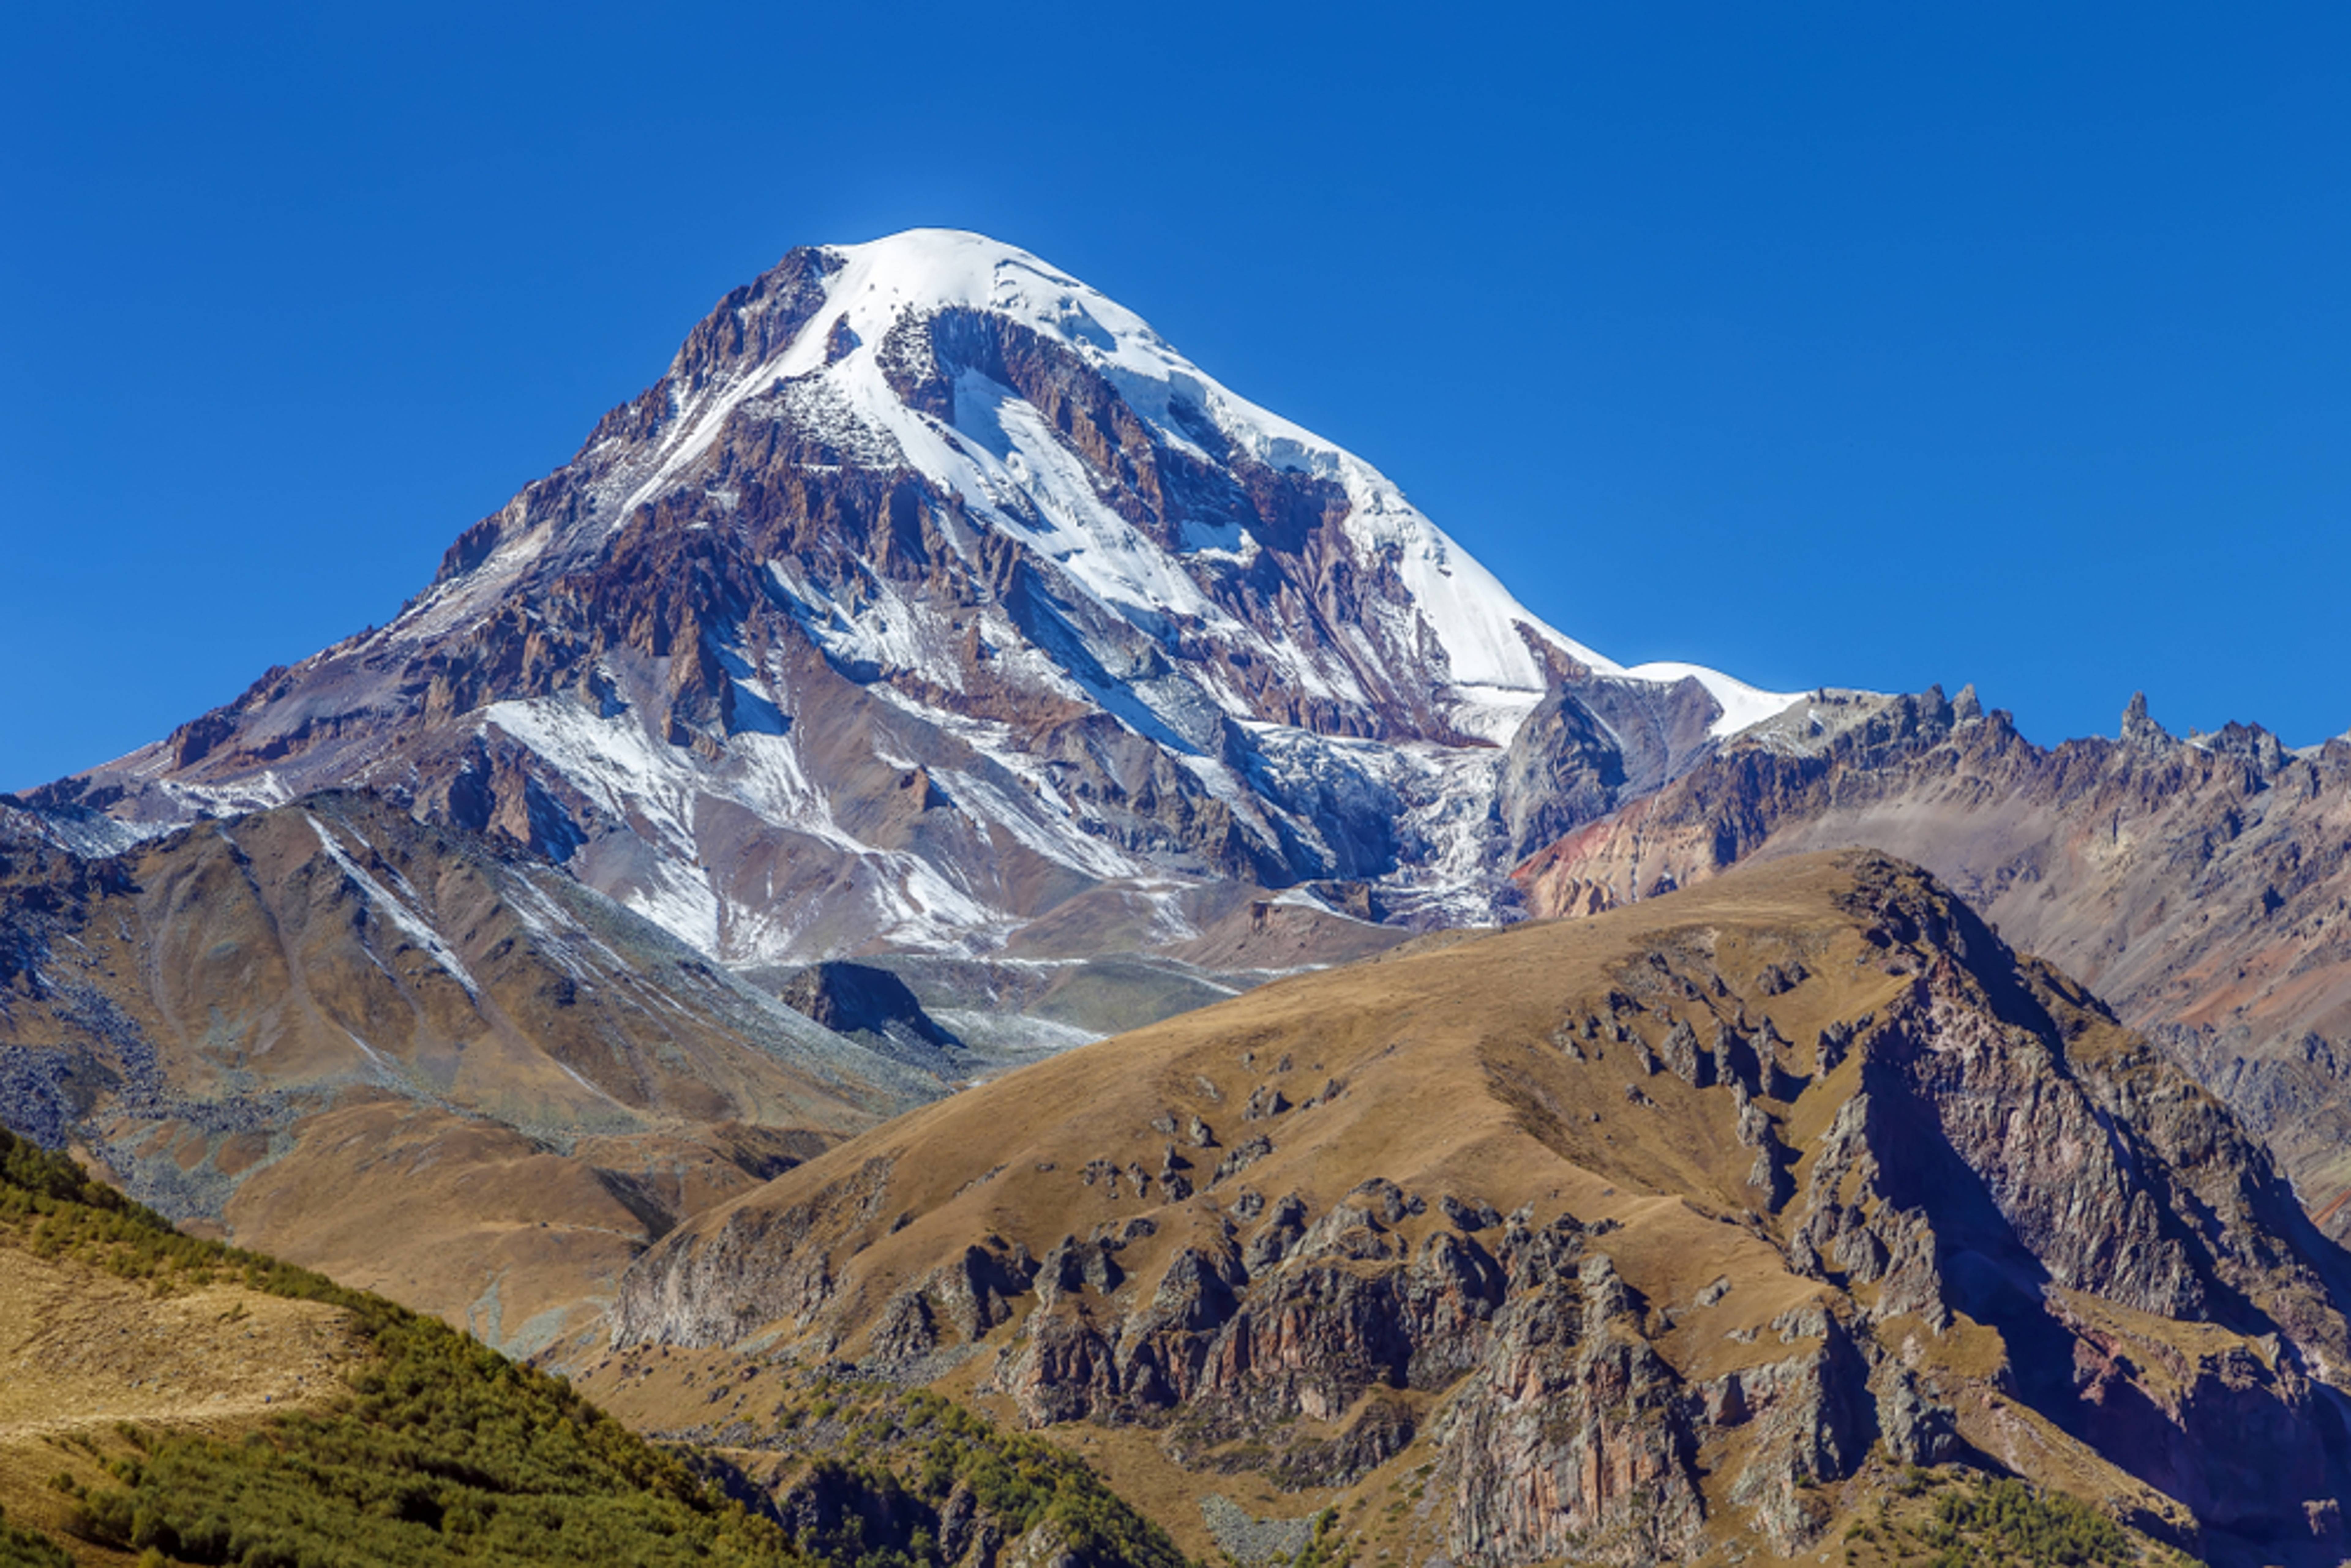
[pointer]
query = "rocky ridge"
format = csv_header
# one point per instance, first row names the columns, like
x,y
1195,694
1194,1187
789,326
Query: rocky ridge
x,y
1619,1238
2199,884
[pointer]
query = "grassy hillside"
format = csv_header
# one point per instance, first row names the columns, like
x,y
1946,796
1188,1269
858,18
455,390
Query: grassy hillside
x,y
1613,1240
434,1448
425,1447
1516,1172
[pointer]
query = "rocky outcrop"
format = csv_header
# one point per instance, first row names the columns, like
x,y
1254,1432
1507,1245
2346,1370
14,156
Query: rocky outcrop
x,y
862,1001
1592,745
1565,1432
756,1270
1575,1437
2198,885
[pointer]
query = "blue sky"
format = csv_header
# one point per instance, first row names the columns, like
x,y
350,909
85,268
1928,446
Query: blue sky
x,y
1858,345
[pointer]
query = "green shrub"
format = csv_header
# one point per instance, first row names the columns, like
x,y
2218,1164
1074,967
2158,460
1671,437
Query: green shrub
x,y
21,1548
445,1452
2003,1522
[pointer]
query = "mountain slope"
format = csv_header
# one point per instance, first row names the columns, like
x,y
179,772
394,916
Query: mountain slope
x,y
233,1409
1615,1239
434,1062
169,1395
930,595
2200,885
224,1408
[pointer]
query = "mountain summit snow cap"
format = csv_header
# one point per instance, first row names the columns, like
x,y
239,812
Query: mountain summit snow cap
x,y
858,350
992,447
1475,619
995,447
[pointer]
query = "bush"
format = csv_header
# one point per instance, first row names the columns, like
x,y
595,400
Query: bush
x,y
21,1548
2007,1521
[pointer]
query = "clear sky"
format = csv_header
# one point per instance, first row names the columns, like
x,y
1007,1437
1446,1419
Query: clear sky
x,y
1861,345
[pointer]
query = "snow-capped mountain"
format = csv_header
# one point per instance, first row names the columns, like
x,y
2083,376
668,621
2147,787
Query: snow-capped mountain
x,y
932,600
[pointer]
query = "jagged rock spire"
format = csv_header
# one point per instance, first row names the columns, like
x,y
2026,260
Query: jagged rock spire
x,y
2142,731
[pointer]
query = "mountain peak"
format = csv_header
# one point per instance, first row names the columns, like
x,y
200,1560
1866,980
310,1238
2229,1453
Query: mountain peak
x,y
930,509
918,271
871,348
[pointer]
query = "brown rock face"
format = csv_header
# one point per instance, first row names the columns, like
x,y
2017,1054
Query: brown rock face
x,y
1617,1236
1592,745
2200,886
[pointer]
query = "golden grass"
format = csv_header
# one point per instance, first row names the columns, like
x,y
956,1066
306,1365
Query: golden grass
x,y
82,1350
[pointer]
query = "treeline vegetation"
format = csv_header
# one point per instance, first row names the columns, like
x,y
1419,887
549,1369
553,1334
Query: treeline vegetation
x,y
879,1486
2003,1523
2006,1521
445,1451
